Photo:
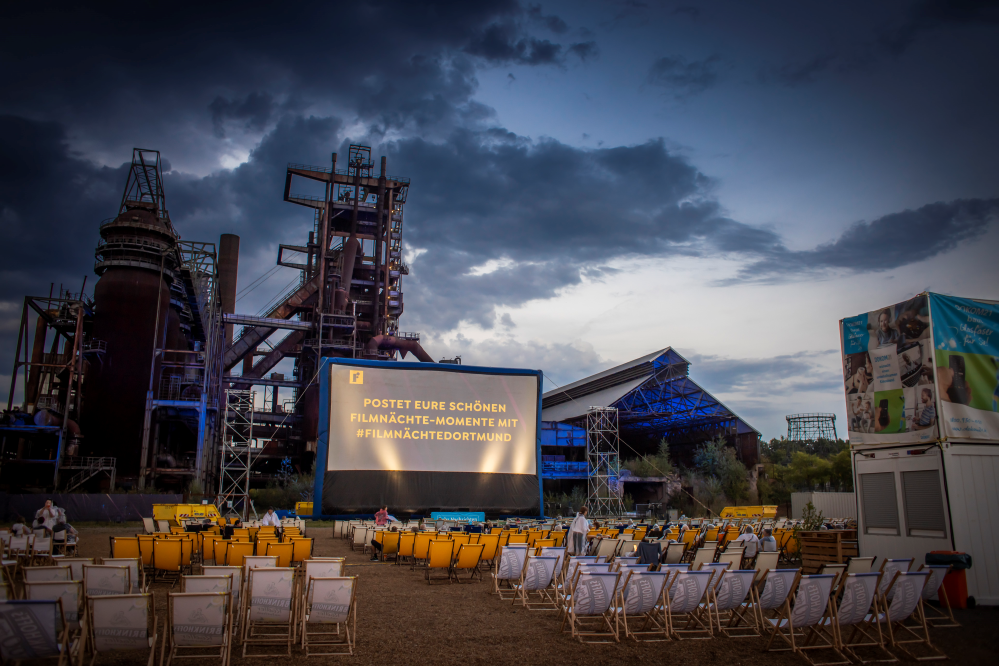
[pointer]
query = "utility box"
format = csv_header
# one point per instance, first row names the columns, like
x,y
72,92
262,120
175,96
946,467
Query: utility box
x,y
921,382
175,512
769,511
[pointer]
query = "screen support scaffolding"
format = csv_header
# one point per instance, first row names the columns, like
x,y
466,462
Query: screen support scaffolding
x,y
237,447
603,462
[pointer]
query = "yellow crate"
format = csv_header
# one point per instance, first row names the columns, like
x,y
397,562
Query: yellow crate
x,y
769,511
174,512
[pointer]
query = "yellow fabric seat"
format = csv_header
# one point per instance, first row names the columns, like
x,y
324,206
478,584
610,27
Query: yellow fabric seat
x,y
439,556
301,549
467,559
125,547
283,551
236,551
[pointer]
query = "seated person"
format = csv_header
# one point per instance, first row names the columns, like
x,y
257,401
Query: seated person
x,y
228,529
768,544
271,519
18,528
378,547
749,540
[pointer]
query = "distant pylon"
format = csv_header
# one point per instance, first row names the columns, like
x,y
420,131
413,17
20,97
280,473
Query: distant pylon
x,y
801,427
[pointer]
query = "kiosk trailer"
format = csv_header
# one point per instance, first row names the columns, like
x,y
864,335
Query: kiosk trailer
x,y
922,396
423,437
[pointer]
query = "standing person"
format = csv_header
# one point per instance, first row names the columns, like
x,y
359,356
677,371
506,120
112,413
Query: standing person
x,y
271,520
382,517
577,533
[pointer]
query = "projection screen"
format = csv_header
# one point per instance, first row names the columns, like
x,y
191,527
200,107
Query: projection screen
x,y
420,437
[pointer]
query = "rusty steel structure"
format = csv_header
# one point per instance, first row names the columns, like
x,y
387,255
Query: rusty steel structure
x,y
803,427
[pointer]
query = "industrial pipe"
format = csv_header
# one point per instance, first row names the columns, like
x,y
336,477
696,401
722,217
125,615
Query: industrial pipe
x,y
404,346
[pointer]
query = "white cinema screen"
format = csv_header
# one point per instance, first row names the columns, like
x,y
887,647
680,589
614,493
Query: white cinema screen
x,y
422,437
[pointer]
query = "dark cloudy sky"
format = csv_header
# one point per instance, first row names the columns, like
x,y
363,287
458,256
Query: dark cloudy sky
x,y
591,180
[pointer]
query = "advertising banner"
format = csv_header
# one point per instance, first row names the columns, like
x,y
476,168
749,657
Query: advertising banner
x,y
888,374
966,337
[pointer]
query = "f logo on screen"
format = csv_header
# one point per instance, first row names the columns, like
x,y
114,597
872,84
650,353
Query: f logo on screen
x,y
357,376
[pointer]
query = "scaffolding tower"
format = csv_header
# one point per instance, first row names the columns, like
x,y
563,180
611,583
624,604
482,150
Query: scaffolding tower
x,y
802,427
237,448
603,462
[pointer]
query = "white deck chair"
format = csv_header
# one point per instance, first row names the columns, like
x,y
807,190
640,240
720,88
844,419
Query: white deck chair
x,y
684,600
943,616
626,560
33,630
237,584
41,549
643,597
511,564
536,578
198,626
857,612
906,594
889,568
859,564
628,548
70,594
75,565
100,580
46,574
806,627
673,554
731,556
163,525
329,605
135,572
765,562
124,622
606,548
148,526
727,600
702,556
772,592
592,607
269,618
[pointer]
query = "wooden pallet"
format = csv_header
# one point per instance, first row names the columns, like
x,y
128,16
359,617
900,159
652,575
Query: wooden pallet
x,y
826,547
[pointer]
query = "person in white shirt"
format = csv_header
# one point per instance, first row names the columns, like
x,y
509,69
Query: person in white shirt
x,y
577,533
751,541
768,542
271,520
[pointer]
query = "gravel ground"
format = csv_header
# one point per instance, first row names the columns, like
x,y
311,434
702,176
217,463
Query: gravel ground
x,y
402,619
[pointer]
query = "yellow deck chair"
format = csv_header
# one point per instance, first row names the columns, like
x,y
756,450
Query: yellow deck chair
x,y
496,530
219,547
558,536
302,549
439,557
262,543
517,538
241,534
207,545
504,538
467,560
253,532
490,546
390,544
167,558
544,543
176,529
532,536
236,551
125,547
146,549
284,552
407,541
421,548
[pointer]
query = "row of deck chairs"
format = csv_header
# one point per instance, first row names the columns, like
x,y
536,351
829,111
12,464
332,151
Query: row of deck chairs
x,y
84,608
841,611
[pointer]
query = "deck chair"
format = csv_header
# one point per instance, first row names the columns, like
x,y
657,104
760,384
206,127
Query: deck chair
x,y
70,593
268,617
906,594
765,562
421,548
125,547
732,557
490,546
41,550
771,593
859,564
163,526
727,603
944,615
857,613
642,605
33,630
716,568
683,603
511,564
606,548
439,556
406,542
135,573
835,569
467,559
316,568
146,549
236,586
328,605
75,565
390,544
673,554
167,559
889,568
358,540
701,557
626,560
284,552
123,623
46,574
100,580
148,526
219,548
203,583
536,578
592,607
808,625
236,552
199,624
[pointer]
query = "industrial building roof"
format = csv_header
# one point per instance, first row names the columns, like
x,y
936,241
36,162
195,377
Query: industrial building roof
x,y
653,393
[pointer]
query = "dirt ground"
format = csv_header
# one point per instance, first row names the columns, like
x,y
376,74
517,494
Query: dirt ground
x,y
403,620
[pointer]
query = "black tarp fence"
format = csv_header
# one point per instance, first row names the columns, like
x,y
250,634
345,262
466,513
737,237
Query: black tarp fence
x,y
85,507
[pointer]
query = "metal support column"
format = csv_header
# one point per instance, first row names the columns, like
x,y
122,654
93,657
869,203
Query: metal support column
x,y
603,462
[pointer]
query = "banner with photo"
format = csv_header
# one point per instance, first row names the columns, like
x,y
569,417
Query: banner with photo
x,y
888,374
966,335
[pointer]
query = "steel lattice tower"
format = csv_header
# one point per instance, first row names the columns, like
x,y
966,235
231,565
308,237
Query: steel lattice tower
x,y
603,462
237,447
801,427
